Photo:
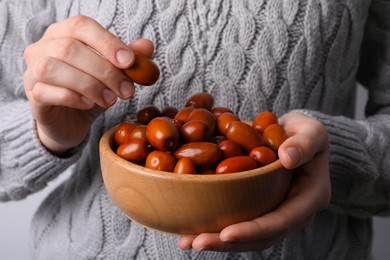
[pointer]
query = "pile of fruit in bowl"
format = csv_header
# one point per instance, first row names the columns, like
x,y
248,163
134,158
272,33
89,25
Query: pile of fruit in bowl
x,y
199,138
195,169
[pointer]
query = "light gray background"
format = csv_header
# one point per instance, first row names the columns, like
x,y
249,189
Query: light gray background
x,y
15,219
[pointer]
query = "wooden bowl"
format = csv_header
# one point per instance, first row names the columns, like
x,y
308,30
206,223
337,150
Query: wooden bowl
x,y
190,204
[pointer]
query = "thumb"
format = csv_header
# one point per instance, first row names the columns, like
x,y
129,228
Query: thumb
x,y
307,137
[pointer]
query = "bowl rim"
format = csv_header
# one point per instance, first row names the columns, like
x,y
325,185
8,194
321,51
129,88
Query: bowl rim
x,y
105,146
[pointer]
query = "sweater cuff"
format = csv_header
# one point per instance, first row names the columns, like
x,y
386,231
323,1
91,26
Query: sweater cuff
x,y
347,149
353,172
27,166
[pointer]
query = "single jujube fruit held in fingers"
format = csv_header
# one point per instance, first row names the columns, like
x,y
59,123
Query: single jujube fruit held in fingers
x,y
143,71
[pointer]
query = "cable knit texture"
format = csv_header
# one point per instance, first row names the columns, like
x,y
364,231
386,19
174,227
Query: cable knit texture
x,y
251,56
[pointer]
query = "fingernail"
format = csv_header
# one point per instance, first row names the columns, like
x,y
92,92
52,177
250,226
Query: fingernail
x,y
226,238
126,89
109,96
186,247
204,248
293,155
124,57
86,100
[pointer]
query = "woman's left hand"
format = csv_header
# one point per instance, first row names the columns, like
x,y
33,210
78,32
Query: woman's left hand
x,y
305,151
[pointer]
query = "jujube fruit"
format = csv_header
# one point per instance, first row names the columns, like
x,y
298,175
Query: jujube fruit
x,y
159,160
230,149
199,138
264,119
185,166
147,113
123,132
162,134
263,155
169,111
236,164
143,71
244,135
203,154
217,111
195,131
139,132
184,113
135,150
224,120
201,100
205,116
274,135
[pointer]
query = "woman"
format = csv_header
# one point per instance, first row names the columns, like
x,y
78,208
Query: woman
x,y
299,59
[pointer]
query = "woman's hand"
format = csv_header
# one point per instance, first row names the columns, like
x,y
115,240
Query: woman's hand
x,y
73,74
306,151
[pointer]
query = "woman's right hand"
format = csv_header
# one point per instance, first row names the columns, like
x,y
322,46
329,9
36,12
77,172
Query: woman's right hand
x,y
74,72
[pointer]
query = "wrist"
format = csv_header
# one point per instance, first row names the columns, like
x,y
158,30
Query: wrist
x,y
52,146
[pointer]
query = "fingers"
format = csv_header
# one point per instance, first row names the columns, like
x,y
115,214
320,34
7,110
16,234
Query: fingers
x,y
83,60
212,242
79,68
50,71
260,233
51,95
223,243
81,56
307,137
74,53
276,225
91,33
306,150
218,242
185,242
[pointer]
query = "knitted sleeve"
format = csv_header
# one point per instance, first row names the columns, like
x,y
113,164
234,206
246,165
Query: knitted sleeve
x,y
25,165
360,150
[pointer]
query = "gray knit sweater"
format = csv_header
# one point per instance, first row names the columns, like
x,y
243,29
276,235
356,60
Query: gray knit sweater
x,y
251,56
